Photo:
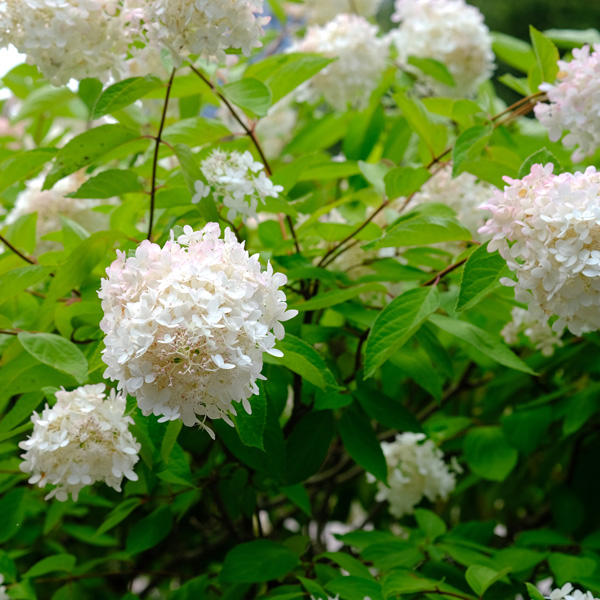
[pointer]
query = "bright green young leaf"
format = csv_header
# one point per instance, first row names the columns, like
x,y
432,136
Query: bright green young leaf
x,y
195,131
397,323
24,166
52,564
124,93
249,94
404,181
480,578
150,531
86,148
118,514
433,68
361,442
480,276
469,146
21,411
430,524
19,279
251,428
482,341
57,352
355,588
546,55
539,157
169,440
489,454
109,184
513,51
534,593
569,568
301,358
257,561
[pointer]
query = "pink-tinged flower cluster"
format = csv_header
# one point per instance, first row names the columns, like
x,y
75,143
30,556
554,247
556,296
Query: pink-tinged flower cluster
x,y
574,103
186,325
547,228
82,439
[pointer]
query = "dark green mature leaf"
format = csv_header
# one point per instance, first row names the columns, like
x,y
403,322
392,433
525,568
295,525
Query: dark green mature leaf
x,y
23,166
355,588
250,94
482,341
489,454
57,352
433,68
335,297
361,442
52,564
387,411
403,581
546,55
301,358
567,567
469,146
480,578
109,184
283,73
12,513
19,279
251,428
539,157
396,323
480,276
307,446
86,148
195,131
256,562
118,514
150,531
404,181
124,93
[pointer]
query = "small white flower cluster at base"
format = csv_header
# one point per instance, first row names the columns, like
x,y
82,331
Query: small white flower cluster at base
x,y
567,592
574,103
416,469
547,228
186,325
238,181
82,439
540,334
449,31
360,56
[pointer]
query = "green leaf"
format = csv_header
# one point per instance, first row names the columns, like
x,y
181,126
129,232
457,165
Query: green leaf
x,y
22,410
469,146
404,181
421,228
513,51
335,297
86,148
12,513
546,54
150,531
118,514
283,73
57,352
24,166
567,567
361,442
124,93
355,588
407,582
387,411
480,276
534,593
301,358
482,341
480,578
19,279
249,94
109,184
195,131
489,454
52,564
251,428
433,68
169,440
308,444
257,562
397,323
539,157
430,524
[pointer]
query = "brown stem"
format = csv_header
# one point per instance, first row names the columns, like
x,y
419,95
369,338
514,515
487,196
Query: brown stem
x,y
29,259
156,150
518,103
435,280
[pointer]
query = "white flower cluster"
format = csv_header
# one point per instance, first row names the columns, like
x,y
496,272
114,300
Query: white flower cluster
x,y
318,12
464,194
82,439
238,180
361,58
539,333
567,592
3,594
547,228
451,32
66,38
50,205
187,325
574,103
207,27
416,468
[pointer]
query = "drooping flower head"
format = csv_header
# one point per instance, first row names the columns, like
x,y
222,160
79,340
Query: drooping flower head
x,y
361,58
539,333
317,12
416,469
574,103
82,439
449,31
547,228
186,325
238,181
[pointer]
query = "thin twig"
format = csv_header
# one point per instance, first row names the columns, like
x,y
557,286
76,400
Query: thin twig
x,y
156,151
435,280
29,259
